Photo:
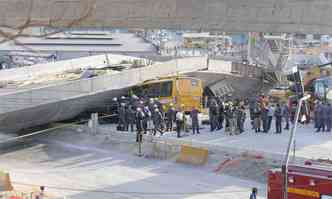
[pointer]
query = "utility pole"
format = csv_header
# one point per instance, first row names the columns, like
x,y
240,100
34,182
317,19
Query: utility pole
x,y
290,143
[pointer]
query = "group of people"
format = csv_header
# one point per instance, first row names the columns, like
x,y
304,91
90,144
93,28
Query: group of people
x,y
323,116
228,114
262,113
148,115
231,114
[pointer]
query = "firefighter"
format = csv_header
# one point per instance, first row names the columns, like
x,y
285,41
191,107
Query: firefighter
x,y
240,117
194,120
139,124
278,116
170,116
157,119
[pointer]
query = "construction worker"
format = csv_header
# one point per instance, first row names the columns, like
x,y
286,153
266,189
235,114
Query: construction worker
x,y
278,117
139,124
194,120
147,122
157,119
170,116
122,117
130,118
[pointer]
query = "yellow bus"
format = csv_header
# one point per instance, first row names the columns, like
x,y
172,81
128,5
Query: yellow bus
x,y
180,91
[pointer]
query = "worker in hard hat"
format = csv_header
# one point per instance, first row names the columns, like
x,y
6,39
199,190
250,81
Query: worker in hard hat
x,y
157,119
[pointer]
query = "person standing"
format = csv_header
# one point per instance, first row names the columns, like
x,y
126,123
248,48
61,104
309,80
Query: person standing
x,y
325,116
130,117
253,194
157,119
278,117
264,118
213,113
122,117
179,122
285,115
139,124
320,118
170,116
329,117
221,113
257,119
270,114
194,120
147,119
241,117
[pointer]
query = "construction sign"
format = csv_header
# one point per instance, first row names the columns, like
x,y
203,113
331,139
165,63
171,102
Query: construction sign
x,y
193,155
5,183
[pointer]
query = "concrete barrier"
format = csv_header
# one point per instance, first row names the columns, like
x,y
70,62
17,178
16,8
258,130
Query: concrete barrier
x,y
193,155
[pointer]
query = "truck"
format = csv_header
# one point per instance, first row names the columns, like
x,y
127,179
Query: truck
x,y
313,180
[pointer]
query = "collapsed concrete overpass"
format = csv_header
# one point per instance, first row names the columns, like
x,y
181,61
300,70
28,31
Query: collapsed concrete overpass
x,y
225,15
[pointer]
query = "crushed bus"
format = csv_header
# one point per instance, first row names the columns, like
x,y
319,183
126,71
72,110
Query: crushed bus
x,y
179,90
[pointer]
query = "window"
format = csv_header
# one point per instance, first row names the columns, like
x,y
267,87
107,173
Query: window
x,y
326,197
166,89
152,90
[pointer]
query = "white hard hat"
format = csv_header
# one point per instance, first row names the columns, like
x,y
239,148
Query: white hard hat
x,y
156,109
123,97
155,105
115,99
171,104
141,102
138,109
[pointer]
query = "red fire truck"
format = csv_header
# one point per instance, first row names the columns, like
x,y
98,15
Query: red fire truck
x,y
312,180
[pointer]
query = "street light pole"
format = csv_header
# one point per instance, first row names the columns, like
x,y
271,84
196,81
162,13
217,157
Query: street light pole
x,y
290,143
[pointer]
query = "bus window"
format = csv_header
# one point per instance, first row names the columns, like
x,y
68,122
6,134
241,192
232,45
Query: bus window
x,y
152,90
166,89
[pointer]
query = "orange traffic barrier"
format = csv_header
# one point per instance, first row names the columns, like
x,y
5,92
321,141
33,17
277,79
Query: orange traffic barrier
x,y
193,155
